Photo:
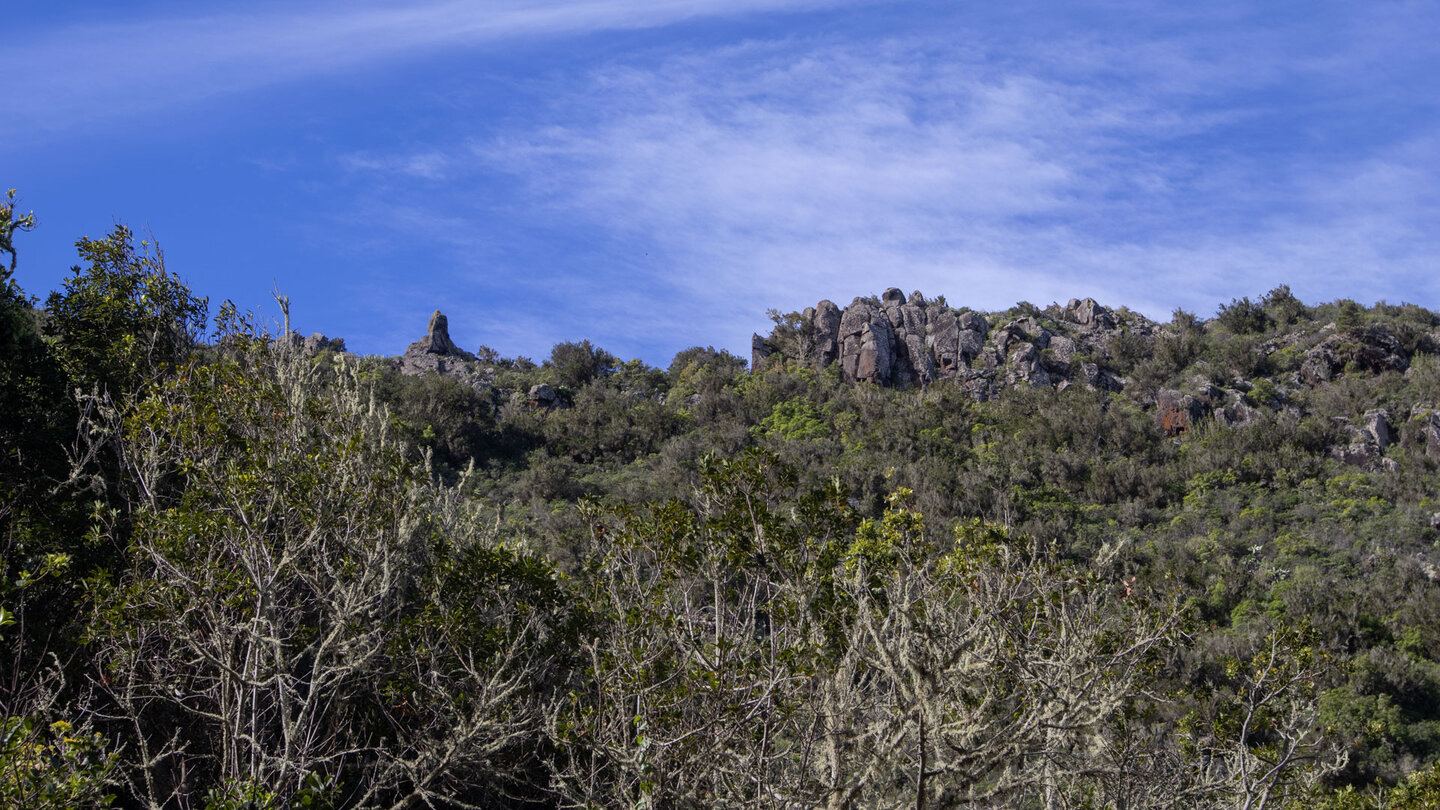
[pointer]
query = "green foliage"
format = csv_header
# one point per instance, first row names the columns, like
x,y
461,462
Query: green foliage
x,y
698,378
279,524
692,360
709,615
53,766
608,425
44,548
1282,307
314,793
776,586
1244,317
1179,346
791,334
575,364
1349,315
123,320
1130,348
1263,393
1420,790
795,420
36,410
435,413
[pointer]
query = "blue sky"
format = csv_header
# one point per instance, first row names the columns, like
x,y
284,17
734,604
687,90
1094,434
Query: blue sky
x,y
656,174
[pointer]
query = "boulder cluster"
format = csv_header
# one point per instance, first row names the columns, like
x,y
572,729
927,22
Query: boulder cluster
x,y
901,342
1365,444
315,343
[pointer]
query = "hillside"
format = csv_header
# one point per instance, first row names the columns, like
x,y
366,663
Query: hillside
x,y
909,555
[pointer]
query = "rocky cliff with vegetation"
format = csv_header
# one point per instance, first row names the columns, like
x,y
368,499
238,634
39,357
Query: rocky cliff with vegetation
x,y
908,556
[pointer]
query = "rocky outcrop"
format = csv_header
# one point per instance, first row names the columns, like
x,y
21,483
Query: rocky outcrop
x,y
1364,445
1422,431
1378,429
437,353
1089,314
543,396
1373,350
760,350
437,339
901,341
824,320
866,344
1238,413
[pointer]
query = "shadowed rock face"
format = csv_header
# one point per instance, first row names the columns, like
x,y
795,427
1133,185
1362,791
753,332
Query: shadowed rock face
x,y
825,320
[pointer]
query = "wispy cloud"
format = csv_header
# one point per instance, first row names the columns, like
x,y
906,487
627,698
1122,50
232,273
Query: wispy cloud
x,y
87,72
430,165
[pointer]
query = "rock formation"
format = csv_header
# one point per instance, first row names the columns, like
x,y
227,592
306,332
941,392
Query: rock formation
x,y
1365,445
316,343
1176,412
895,340
543,396
1369,349
1422,431
438,353
901,341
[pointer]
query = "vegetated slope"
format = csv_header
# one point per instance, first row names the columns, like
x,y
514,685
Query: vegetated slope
x,y
1277,462
915,556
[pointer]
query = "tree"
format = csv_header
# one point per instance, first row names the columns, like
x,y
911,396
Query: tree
x,y
1001,669
575,364
1257,742
1283,307
791,337
440,415
759,646
46,760
11,223
36,414
303,609
123,320
693,360
1243,317
710,622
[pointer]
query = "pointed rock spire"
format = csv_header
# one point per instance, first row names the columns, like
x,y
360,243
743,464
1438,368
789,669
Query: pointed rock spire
x,y
438,335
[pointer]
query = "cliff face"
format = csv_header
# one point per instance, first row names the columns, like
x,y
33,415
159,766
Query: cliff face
x,y
899,341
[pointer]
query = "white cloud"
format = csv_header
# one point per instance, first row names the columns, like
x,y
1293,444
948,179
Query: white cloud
x,y
792,177
87,72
